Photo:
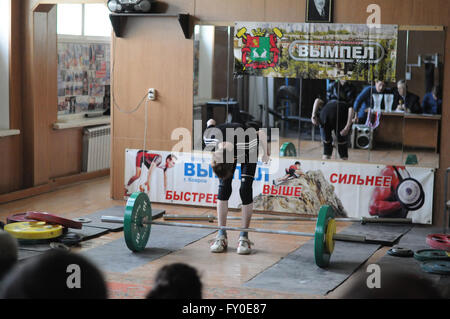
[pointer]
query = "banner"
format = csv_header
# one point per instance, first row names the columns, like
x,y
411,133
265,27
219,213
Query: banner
x,y
316,50
287,185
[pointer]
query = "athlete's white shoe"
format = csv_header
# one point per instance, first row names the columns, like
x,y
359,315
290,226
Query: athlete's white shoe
x,y
244,246
220,244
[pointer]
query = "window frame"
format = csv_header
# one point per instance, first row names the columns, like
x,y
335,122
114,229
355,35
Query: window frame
x,y
83,36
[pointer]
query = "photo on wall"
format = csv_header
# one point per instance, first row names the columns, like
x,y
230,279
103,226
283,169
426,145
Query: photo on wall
x,y
319,11
83,77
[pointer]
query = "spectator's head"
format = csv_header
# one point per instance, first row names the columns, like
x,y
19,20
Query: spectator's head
x,y
56,274
393,284
8,252
402,87
380,86
176,281
170,160
223,160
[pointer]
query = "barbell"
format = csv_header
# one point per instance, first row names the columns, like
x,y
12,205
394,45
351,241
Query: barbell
x,y
137,223
363,220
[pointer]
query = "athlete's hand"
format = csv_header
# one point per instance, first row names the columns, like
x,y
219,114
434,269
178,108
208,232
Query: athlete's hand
x,y
265,159
345,131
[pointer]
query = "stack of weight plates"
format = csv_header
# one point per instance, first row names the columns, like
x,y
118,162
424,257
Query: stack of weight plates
x,y
39,228
34,232
434,261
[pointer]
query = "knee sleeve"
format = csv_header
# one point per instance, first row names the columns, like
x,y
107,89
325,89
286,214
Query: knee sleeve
x,y
225,189
246,190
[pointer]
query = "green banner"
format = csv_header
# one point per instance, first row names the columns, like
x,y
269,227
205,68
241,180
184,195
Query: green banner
x,y
316,50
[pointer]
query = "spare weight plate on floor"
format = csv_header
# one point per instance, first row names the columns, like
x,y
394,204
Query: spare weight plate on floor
x,y
441,267
439,241
135,231
54,219
17,218
400,252
34,230
431,254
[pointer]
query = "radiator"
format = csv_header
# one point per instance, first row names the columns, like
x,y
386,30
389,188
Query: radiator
x,y
96,148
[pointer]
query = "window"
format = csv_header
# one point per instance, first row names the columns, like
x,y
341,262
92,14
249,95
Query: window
x,y
84,41
96,20
5,30
70,19
84,20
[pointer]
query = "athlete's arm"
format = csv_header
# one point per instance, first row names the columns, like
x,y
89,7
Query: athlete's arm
x,y
318,103
263,140
348,126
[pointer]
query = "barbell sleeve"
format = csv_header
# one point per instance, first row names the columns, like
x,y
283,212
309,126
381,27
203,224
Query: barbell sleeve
x,y
353,238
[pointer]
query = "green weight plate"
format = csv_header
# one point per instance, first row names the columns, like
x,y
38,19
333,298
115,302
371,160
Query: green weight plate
x,y
288,149
441,267
136,233
431,254
321,254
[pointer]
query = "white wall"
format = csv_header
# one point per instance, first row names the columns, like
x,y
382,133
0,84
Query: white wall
x,y
5,26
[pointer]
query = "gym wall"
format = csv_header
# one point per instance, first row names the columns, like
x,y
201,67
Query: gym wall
x,y
154,53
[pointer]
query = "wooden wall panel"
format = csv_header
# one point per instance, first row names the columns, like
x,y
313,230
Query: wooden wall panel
x,y
285,11
10,164
66,151
164,62
40,105
230,10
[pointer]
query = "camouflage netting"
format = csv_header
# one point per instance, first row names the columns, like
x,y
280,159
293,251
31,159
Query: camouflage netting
x,y
316,191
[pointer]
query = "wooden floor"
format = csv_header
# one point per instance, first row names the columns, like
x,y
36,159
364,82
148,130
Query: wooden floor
x,y
222,274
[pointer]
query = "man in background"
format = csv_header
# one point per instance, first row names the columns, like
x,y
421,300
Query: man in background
x,y
405,101
432,101
364,100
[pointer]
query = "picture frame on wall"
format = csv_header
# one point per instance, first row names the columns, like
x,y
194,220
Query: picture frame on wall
x,y
319,11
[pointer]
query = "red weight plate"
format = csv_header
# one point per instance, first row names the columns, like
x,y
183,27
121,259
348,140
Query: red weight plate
x,y
54,219
439,241
17,218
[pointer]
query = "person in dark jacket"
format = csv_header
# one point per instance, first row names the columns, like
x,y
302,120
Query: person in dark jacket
x,y
406,101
